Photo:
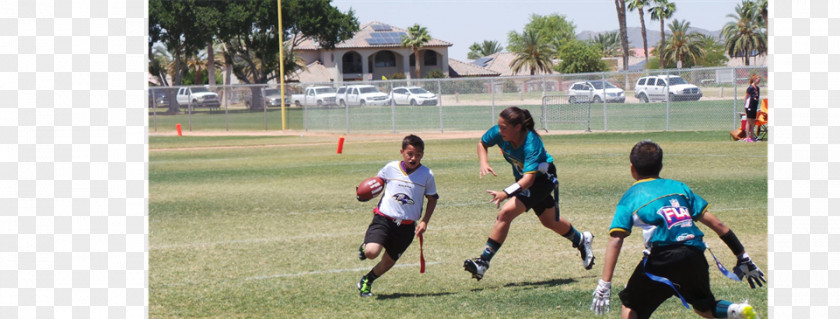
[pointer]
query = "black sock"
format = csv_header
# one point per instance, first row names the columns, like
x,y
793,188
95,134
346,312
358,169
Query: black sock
x,y
371,276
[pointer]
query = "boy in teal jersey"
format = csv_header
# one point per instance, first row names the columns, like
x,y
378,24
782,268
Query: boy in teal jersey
x,y
674,263
536,179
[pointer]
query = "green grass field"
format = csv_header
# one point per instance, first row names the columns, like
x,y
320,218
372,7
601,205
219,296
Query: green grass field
x,y
268,227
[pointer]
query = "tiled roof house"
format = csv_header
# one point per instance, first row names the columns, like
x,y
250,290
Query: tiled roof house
x,y
374,51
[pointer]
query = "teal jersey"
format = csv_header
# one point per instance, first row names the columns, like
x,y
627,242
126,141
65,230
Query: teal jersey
x,y
665,209
524,159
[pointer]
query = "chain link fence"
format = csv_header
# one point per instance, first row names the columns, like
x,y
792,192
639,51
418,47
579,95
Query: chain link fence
x,y
657,100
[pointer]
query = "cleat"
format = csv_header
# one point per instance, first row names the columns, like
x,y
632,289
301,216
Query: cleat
x,y
741,311
585,248
362,252
364,286
476,267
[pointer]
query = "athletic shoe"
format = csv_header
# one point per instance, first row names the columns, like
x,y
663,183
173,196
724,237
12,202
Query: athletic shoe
x,y
476,267
741,311
749,140
364,286
362,252
585,248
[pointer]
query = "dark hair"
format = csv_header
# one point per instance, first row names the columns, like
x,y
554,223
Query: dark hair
x,y
646,158
415,141
515,116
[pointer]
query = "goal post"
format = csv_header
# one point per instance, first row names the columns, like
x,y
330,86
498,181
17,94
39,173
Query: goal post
x,y
558,109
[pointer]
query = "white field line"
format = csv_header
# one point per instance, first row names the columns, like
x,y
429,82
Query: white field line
x,y
333,271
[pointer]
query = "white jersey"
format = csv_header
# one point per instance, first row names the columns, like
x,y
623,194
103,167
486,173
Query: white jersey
x,y
404,193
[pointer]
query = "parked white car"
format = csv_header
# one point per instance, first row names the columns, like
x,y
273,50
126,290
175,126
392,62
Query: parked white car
x,y
412,95
595,92
197,97
362,95
662,87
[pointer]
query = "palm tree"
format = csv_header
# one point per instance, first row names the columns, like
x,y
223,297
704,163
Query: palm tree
x,y
484,49
640,5
532,53
160,61
292,62
681,44
744,35
416,38
621,9
761,6
661,10
609,42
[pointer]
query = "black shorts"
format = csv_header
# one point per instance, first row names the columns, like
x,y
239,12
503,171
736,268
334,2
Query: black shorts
x,y
538,197
394,238
751,113
685,266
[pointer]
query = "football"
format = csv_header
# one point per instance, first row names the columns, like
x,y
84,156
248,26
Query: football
x,y
369,188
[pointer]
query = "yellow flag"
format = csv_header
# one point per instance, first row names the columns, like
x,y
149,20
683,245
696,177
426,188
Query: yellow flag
x,y
384,78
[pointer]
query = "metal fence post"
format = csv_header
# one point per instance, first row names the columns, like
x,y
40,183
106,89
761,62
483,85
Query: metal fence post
x,y
227,98
606,127
393,117
667,101
492,102
346,117
440,105
154,109
734,99
189,110
265,109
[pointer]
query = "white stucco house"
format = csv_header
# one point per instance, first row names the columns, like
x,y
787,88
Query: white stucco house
x,y
374,51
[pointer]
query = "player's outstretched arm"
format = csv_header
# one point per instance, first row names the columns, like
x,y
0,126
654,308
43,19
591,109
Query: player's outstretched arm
x,y
745,266
601,295
484,164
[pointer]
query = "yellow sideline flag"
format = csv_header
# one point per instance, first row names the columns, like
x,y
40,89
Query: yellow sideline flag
x,y
384,78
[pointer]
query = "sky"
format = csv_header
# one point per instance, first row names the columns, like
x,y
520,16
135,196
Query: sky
x,y
463,22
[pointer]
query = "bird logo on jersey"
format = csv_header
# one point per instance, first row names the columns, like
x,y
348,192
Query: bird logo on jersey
x,y
675,215
403,199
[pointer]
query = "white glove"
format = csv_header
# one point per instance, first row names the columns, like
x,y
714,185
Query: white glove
x,y
601,299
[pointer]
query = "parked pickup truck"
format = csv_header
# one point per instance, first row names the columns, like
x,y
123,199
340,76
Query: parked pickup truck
x,y
361,95
315,95
197,97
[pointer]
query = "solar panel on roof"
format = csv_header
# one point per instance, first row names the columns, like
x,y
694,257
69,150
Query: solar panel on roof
x,y
381,27
482,61
386,38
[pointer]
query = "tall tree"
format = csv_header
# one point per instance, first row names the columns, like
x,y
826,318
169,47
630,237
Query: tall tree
x,y
681,44
174,25
744,35
484,49
579,57
531,53
416,38
553,30
761,6
661,10
621,9
609,43
250,34
640,5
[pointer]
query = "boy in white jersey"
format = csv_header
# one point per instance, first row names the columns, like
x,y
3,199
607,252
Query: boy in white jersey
x,y
395,217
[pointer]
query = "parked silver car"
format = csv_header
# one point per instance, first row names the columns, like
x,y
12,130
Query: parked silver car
x,y
595,92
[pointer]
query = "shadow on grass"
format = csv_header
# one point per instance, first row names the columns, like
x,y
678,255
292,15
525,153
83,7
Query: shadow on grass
x,y
549,283
400,295
534,284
